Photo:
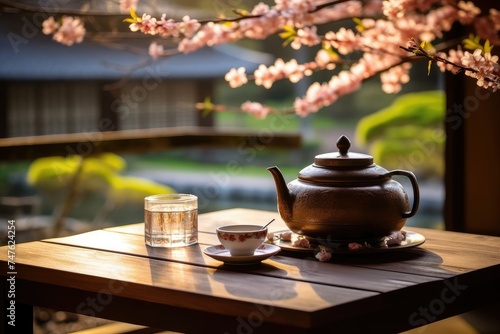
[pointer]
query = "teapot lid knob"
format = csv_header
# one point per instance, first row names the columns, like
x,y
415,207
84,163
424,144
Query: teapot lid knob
x,y
343,144
343,158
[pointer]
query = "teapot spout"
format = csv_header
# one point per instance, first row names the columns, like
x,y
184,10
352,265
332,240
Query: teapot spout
x,y
285,198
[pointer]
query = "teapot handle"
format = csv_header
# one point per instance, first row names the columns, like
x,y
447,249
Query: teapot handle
x,y
416,191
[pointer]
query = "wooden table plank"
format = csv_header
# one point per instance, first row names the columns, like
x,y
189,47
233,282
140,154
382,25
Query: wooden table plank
x,y
180,285
308,270
412,274
463,252
439,256
450,273
399,291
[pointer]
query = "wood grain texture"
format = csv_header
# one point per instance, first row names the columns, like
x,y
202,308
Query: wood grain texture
x,y
307,269
181,285
443,254
290,291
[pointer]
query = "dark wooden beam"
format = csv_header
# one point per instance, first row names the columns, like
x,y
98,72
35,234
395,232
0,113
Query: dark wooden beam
x,y
140,141
4,124
472,152
454,208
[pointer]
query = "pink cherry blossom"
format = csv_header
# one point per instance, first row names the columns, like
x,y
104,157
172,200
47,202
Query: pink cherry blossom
x,y
302,243
263,76
374,48
472,60
266,76
345,40
260,9
147,25
354,246
236,77
394,77
400,8
155,50
495,18
294,71
265,22
324,60
126,5
209,34
485,66
256,109
468,11
71,31
286,236
486,29
347,10
302,6
321,95
454,56
50,26
301,107
344,83
490,62
167,27
189,26
323,255
306,36
296,12
395,238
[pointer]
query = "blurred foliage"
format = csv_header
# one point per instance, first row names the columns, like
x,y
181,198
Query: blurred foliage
x,y
128,189
99,175
51,174
408,134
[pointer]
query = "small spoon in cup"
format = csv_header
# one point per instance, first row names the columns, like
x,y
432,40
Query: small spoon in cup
x,y
263,227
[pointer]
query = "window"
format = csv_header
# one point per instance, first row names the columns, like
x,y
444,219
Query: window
x,y
167,105
52,108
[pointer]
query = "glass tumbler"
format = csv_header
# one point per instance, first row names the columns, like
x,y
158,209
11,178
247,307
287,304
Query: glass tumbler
x,y
171,220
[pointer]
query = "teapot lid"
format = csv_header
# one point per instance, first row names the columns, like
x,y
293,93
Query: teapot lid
x,y
343,158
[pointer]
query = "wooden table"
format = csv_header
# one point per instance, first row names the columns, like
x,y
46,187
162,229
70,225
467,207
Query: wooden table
x,y
111,274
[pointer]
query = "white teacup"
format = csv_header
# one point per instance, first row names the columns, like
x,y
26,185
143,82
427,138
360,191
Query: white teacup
x,y
241,240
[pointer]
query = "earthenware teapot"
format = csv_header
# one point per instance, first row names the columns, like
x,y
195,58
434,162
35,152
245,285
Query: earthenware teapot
x,y
345,196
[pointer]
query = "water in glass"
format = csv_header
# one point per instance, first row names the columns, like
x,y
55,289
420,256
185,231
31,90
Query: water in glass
x,y
170,224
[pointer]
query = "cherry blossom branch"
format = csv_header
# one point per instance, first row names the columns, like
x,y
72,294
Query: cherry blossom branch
x,y
382,26
480,64
420,52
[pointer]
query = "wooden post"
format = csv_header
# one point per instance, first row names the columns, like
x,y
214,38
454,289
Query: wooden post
x,y
472,178
4,120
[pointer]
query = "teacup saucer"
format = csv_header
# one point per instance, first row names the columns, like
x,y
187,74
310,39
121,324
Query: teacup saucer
x,y
220,253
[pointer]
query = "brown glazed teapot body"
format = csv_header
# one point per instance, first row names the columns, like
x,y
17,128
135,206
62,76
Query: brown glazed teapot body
x,y
345,196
